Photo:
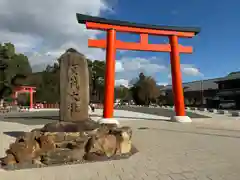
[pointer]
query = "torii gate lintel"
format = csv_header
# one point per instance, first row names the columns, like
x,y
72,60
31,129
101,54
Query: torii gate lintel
x,y
112,44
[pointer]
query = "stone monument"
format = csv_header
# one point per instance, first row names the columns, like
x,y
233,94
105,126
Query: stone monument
x,y
74,86
76,138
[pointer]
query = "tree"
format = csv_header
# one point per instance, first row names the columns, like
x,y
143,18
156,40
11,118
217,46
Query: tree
x,y
47,84
14,68
121,92
48,81
145,90
148,91
96,75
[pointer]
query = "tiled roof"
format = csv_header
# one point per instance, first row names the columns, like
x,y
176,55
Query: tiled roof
x,y
231,76
209,84
206,84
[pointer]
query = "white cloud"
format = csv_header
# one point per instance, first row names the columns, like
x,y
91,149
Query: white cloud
x,y
123,82
122,51
119,67
22,42
140,64
49,27
162,83
190,70
128,68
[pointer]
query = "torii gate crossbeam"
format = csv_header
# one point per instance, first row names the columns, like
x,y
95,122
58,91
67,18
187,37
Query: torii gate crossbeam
x,y
144,30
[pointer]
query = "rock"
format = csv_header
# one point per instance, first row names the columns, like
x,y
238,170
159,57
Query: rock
x,y
56,136
24,150
109,142
123,135
105,145
87,125
63,156
8,160
88,141
30,136
76,136
123,130
47,143
72,140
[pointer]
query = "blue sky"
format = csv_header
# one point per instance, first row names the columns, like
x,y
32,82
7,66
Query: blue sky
x,y
43,33
216,48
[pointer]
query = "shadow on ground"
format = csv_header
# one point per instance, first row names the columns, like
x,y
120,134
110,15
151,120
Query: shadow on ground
x,y
14,134
40,118
159,111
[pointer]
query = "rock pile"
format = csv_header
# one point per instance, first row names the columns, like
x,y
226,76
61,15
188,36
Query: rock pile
x,y
68,142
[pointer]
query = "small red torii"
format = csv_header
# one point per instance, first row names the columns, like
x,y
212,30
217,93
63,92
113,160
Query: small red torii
x,y
24,89
144,30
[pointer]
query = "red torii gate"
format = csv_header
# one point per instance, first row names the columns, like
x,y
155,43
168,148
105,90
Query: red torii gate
x,y
112,44
24,89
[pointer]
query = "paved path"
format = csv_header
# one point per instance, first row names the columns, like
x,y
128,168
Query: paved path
x,y
207,149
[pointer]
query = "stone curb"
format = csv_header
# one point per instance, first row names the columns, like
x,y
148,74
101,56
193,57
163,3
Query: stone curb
x,y
223,112
236,113
193,108
202,109
213,110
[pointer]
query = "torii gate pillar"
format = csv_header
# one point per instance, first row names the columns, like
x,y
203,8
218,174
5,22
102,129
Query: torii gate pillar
x,y
176,77
110,74
112,44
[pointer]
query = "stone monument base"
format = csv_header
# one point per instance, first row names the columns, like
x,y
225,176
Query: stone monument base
x,y
62,143
181,119
108,121
95,158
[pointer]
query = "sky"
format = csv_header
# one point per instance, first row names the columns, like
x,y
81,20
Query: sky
x,y
44,29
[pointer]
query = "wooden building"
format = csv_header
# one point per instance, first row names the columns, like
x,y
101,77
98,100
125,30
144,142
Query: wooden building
x,y
229,91
211,93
